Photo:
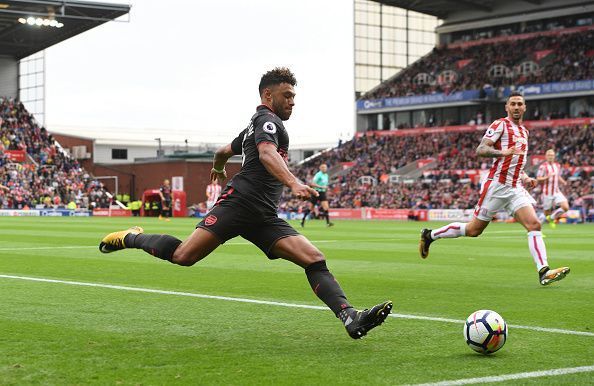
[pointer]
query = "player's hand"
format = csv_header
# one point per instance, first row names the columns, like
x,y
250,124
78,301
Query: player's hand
x,y
512,151
530,183
300,190
217,175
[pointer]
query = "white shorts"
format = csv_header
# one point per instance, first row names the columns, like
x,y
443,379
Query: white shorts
x,y
210,204
549,202
495,197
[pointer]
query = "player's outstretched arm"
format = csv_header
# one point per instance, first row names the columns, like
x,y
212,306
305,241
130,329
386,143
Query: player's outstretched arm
x,y
275,165
486,149
221,157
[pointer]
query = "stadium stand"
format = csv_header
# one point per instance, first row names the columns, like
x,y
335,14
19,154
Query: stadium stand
x,y
536,59
362,169
45,176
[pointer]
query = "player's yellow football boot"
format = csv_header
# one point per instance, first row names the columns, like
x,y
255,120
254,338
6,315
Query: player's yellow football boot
x,y
551,222
115,241
548,276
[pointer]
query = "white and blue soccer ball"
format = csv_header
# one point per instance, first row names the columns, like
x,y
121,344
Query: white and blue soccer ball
x,y
485,331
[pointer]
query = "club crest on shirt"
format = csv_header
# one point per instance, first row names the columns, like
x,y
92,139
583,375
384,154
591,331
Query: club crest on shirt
x,y
269,127
210,220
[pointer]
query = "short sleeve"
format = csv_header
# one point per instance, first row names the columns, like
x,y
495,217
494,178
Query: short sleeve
x,y
542,171
494,131
237,143
266,130
316,178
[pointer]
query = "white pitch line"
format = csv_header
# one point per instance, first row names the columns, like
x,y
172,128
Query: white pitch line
x,y
272,303
512,377
42,248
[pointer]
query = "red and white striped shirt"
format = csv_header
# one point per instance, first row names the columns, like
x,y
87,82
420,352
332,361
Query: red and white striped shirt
x,y
506,134
213,191
552,169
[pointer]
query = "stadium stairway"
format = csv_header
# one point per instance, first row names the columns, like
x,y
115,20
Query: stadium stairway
x,y
412,171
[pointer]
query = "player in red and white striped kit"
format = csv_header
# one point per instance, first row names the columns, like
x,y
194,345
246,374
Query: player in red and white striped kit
x,y
549,175
506,140
213,191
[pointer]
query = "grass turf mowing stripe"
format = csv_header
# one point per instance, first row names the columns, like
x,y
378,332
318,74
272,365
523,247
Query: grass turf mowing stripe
x,y
272,303
513,377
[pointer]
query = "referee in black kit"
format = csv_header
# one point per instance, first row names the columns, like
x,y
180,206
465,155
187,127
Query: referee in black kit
x,y
248,207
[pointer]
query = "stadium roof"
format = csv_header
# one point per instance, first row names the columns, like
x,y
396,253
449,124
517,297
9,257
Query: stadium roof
x,y
443,8
34,32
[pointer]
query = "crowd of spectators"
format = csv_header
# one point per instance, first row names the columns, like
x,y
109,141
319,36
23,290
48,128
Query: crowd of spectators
x,y
539,25
48,178
380,156
571,58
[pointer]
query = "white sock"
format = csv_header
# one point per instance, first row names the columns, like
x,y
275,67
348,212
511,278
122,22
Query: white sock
x,y
557,213
537,249
450,231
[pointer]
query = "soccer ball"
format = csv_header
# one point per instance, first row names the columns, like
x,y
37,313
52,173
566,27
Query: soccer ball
x,y
485,331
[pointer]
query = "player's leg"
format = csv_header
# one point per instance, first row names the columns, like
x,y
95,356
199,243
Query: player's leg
x,y
167,210
547,205
326,208
563,207
526,216
302,252
474,228
220,225
492,199
306,212
165,247
278,239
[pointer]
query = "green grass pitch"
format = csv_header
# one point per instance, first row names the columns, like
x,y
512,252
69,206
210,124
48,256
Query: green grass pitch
x,y
58,333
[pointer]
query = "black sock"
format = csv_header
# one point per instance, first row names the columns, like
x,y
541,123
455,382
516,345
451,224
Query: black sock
x,y
326,287
327,215
305,215
161,246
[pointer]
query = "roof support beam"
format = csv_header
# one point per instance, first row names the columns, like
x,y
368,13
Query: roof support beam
x,y
472,4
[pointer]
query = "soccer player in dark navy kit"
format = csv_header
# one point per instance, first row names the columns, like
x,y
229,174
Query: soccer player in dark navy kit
x,y
248,208
165,194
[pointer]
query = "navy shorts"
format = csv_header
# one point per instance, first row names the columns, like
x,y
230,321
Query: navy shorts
x,y
232,217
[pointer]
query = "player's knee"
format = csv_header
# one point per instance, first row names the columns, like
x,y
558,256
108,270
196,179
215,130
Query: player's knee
x,y
312,255
533,225
180,257
317,255
473,232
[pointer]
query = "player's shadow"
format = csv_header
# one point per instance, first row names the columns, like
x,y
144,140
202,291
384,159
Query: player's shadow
x,y
474,356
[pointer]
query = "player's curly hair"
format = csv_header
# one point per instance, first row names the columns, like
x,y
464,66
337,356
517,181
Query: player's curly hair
x,y
277,76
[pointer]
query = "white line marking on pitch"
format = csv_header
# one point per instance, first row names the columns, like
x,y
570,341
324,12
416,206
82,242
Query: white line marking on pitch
x,y
512,377
48,247
272,303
